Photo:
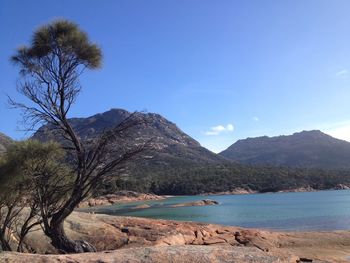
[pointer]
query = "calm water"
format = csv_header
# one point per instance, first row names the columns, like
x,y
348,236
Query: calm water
x,y
324,210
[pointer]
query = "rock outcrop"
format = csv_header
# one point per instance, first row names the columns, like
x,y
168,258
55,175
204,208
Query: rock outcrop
x,y
197,203
341,187
118,198
299,190
182,238
234,191
170,254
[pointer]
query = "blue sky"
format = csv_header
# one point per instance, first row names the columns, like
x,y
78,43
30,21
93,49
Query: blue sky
x,y
221,70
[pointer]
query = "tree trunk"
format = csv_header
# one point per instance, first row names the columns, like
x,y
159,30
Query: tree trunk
x,y
5,246
58,236
64,244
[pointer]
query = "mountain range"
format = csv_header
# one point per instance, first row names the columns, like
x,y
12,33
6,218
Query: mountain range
x,y
178,164
306,149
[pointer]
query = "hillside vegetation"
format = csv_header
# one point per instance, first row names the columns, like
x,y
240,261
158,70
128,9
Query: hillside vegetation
x,y
5,141
177,164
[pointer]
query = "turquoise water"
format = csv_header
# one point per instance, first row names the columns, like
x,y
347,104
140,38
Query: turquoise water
x,y
323,210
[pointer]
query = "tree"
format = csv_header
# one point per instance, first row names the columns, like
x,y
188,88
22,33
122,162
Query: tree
x,y
50,68
13,188
34,183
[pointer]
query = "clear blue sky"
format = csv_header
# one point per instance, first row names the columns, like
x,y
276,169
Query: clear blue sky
x,y
221,70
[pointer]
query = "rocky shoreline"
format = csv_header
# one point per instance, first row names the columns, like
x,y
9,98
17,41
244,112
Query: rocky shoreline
x,y
197,203
235,191
119,198
151,240
244,191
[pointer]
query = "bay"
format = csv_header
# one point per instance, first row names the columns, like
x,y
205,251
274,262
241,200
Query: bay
x,y
306,211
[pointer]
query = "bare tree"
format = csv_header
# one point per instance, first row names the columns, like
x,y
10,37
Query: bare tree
x,y
50,67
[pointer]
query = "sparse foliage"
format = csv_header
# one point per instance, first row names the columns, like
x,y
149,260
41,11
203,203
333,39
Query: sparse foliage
x,y
50,68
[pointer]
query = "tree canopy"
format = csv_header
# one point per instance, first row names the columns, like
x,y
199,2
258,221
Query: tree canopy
x,y
60,37
59,53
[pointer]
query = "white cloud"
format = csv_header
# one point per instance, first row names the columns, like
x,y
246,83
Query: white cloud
x,y
255,118
217,130
229,127
342,73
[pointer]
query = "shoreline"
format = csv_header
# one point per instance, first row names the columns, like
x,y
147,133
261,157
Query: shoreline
x,y
117,199
138,236
242,191
120,197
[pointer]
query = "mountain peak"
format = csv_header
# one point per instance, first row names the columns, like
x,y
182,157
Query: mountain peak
x,y
310,133
168,139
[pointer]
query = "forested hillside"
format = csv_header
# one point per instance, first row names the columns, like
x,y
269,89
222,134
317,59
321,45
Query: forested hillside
x,y
177,164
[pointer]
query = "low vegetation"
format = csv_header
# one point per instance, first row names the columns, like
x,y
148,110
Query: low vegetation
x,y
34,183
191,179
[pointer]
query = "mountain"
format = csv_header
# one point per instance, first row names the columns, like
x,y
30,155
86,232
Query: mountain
x,y
170,143
5,141
307,149
178,164
173,151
